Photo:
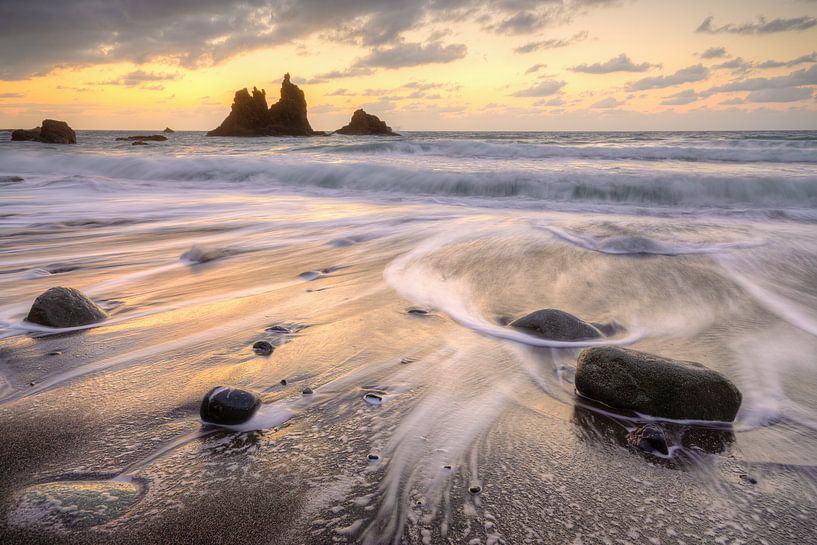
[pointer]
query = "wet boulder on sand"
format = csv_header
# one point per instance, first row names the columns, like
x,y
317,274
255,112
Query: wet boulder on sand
x,y
228,406
64,307
655,386
557,325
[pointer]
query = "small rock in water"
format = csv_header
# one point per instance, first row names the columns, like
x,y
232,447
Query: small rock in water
x,y
557,325
417,311
196,254
373,399
54,353
139,143
310,275
263,348
447,467
64,307
475,489
307,391
649,384
373,457
649,438
283,382
748,478
228,406
278,329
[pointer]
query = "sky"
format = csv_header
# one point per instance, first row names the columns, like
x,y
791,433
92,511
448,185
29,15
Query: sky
x,y
420,65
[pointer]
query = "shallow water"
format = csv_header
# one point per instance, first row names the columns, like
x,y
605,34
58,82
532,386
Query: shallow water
x,y
388,267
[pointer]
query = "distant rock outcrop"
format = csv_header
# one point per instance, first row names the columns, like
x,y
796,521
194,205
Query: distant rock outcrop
x,y
168,130
143,138
50,132
363,124
251,117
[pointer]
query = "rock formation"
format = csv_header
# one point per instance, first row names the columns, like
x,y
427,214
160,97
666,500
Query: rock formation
x,y
168,130
143,138
64,307
50,132
655,386
250,116
363,124
557,325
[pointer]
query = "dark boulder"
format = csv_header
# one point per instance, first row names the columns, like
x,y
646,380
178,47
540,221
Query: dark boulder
x,y
143,138
652,385
50,132
64,307
363,124
228,406
250,116
168,130
557,325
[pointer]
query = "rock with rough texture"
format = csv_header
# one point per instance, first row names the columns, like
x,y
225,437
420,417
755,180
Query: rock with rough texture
x,y
64,307
250,116
656,386
366,124
143,138
168,130
557,325
228,406
50,132
649,438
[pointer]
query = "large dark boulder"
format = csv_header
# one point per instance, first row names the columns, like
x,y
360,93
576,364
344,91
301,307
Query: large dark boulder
x,y
364,124
64,307
250,116
557,325
656,386
50,132
228,406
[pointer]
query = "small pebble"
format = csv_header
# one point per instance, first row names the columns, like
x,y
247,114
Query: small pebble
x,y
263,348
748,478
373,457
373,399
283,382
475,489
55,353
447,467
308,391
278,329
418,311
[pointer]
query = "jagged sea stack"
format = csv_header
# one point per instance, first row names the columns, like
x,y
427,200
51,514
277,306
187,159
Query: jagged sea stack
x,y
50,132
366,124
251,117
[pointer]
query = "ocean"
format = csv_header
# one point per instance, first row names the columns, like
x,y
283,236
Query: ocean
x,y
392,266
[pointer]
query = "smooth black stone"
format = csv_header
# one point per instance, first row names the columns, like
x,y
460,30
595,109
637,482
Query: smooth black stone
x,y
228,406
649,438
475,489
307,391
283,382
263,348
373,457
557,325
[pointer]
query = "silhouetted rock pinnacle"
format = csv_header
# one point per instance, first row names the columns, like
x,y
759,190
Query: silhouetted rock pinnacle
x,y
251,117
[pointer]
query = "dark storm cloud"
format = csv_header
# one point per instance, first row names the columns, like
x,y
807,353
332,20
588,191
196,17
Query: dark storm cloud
x,y
38,35
552,43
761,26
621,63
689,74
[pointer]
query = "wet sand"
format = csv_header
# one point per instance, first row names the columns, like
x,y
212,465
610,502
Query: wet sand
x,y
466,401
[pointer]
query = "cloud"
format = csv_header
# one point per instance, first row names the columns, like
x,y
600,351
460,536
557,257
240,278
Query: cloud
x,y
139,78
607,103
737,64
689,74
542,89
11,95
803,59
552,43
558,101
621,63
535,68
714,53
761,26
786,94
412,54
680,98
795,79
342,92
